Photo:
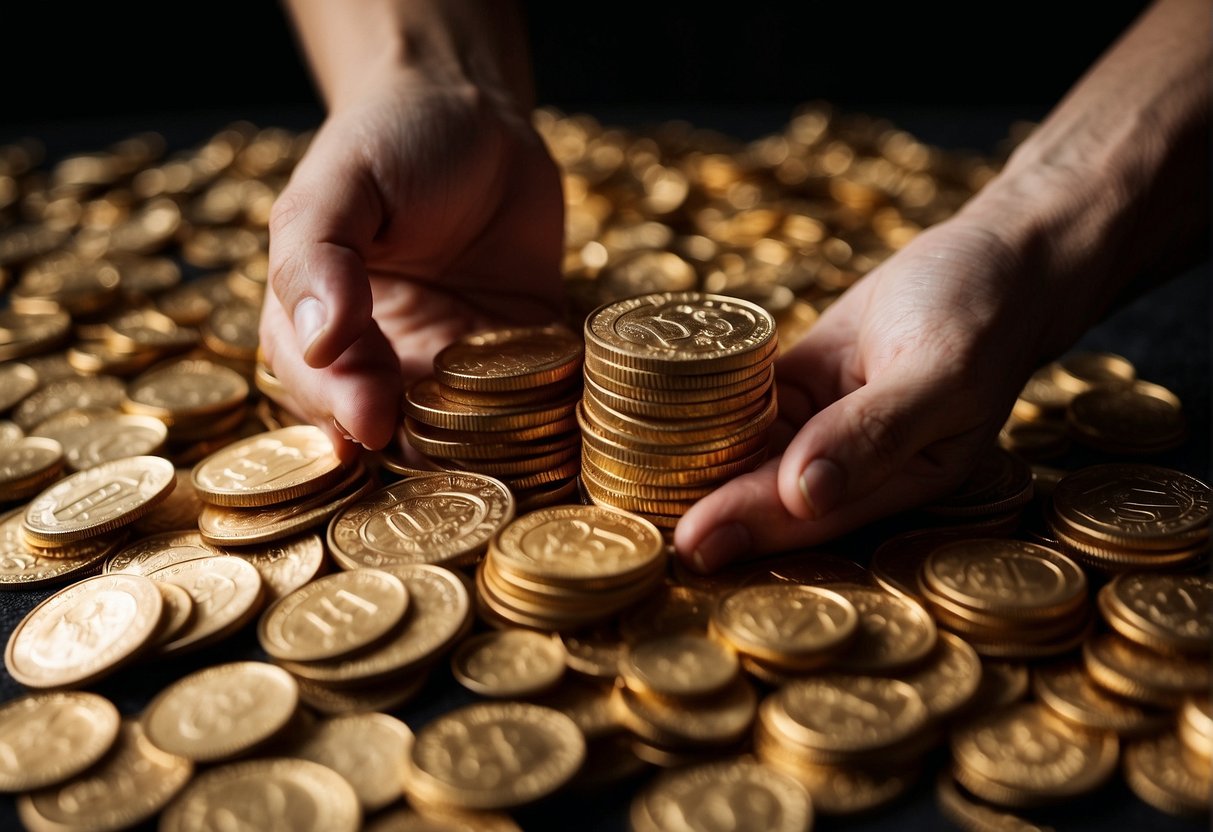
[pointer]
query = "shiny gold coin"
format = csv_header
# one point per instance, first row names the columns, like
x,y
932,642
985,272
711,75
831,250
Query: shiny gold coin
x,y
231,330
268,468
509,359
683,333
1138,506
1022,756
93,357
670,475
744,390
190,303
424,436
509,663
682,665
460,449
333,616
626,452
602,482
155,552
897,562
1067,690
1157,772
23,335
792,626
682,429
895,633
1005,578
673,609
498,736
227,593
84,632
969,813
285,565
23,566
101,392
146,330
1042,397
439,614
1144,418
579,544
438,518
1141,675
221,712
28,465
949,680
1172,613
185,390
623,376
127,787
423,401
651,411
276,791
16,382
1078,372
178,613
595,654
99,500
509,398
751,795
514,466
369,750
1196,726
49,738
74,286
91,437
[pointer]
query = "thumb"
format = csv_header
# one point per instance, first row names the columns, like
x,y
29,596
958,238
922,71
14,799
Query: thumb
x,y
320,227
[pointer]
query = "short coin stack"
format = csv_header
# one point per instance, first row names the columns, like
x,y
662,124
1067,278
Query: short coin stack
x,y
197,400
679,397
501,403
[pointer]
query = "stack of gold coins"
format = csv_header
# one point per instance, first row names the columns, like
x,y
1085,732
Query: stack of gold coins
x,y
1124,517
993,496
567,567
1007,598
501,403
28,465
679,397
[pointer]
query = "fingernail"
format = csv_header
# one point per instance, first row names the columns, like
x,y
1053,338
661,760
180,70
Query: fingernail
x,y
721,546
345,434
310,320
822,485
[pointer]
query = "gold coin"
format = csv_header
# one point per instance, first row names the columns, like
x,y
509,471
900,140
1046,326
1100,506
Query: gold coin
x,y
127,787
149,554
99,500
678,665
629,453
334,616
145,329
185,390
1131,505
1034,440
1042,397
1196,726
509,398
23,566
751,795
671,475
1141,675
630,377
178,613
421,434
273,792
720,720
1111,558
950,679
559,494
91,437
1005,578
683,333
25,334
792,626
598,480
743,390
513,467
76,287
648,410
190,303
1022,756
93,357
1067,690
626,502
146,276
226,592
49,738
595,654
1166,612
438,518
369,750
221,712
841,790
456,448
101,392
231,330
84,632
16,382
423,401
268,468
494,755
28,465
895,633
509,663
673,429
509,359
1078,372
1157,772
408,820
286,565
674,609
969,813
578,544
1144,418
439,613
1001,482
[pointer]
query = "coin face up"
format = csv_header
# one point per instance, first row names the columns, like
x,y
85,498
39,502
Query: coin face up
x,y
268,468
787,624
509,663
753,796
1134,504
48,738
578,543
369,750
509,359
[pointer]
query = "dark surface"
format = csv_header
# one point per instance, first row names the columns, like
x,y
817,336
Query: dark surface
x,y
1165,333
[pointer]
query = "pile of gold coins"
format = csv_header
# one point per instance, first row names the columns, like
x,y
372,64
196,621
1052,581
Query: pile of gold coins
x,y
1042,629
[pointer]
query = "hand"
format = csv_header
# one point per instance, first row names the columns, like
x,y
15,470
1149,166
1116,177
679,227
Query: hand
x,y
886,401
420,212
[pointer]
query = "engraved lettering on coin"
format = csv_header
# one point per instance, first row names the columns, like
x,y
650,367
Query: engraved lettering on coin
x,y
1181,606
100,499
579,541
1004,573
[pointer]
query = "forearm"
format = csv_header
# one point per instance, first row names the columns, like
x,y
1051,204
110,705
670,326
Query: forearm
x,y
352,43
1115,182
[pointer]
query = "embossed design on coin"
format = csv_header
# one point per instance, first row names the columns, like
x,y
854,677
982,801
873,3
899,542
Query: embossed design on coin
x,y
437,518
48,738
288,565
91,437
185,389
1134,504
268,468
577,542
84,632
99,500
509,359
158,551
835,713
894,632
1173,611
679,665
793,625
1005,577
23,566
733,794
226,591
509,663
369,750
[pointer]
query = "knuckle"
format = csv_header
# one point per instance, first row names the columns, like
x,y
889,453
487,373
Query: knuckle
x,y
288,208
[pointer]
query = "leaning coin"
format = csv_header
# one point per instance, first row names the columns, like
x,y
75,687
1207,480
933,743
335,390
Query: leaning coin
x,y
268,468
751,795
227,593
48,738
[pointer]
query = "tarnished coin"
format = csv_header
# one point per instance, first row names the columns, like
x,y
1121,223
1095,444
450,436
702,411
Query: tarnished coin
x,y
509,359
494,755
1142,506
678,665
91,437
48,738
268,468
227,594
1067,690
1157,772
789,625
185,390
437,518
369,750
99,500
894,632
334,616
221,712
509,663
694,799
27,466
16,382
1005,577
129,786
84,632
1173,613
270,793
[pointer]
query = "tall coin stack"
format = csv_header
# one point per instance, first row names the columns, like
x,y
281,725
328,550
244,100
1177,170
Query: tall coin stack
x,y
501,403
679,397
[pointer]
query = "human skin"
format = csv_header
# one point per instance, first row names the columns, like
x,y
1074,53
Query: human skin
x,y
427,207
